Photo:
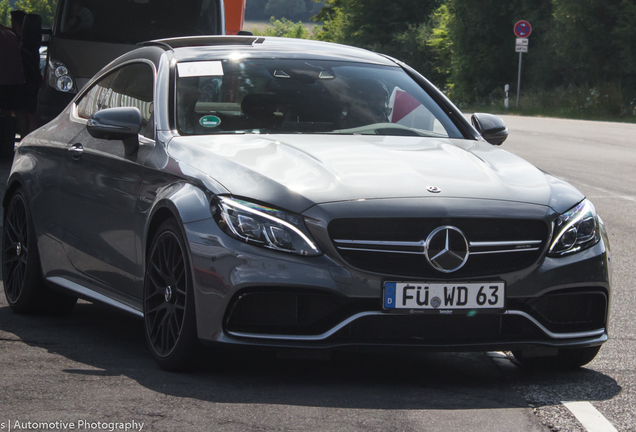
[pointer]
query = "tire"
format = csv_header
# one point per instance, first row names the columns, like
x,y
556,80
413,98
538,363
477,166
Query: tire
x,y
566,358
169,310
24,286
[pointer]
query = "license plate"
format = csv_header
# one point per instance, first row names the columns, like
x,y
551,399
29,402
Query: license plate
x,y
444,296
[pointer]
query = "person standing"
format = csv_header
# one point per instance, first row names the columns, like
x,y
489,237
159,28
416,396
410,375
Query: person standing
x,y
11,72
21,94
11,87
17,19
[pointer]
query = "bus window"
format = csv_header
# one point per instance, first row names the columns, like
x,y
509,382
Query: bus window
x,y
132,21
88,34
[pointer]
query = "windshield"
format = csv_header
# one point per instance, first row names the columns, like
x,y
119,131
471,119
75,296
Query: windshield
x,y
133,21
294,96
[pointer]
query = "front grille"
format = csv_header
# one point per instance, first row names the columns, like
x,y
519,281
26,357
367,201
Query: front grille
x,y
396,246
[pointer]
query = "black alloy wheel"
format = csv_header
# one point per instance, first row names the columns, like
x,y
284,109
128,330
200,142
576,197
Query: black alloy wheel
x,y
169,301
24,286
15,250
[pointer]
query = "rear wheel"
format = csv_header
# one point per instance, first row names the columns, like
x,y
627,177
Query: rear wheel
x,y
169,300
24,286
566,358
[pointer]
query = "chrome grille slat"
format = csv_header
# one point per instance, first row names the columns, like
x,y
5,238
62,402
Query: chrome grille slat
x,y
505,243
523,246
382,243
505,251
382,250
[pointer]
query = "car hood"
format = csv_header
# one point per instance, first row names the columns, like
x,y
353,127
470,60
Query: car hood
x,y
297,171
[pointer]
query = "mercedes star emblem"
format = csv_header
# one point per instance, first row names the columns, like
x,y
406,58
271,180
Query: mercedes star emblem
x,y
447,249
433,189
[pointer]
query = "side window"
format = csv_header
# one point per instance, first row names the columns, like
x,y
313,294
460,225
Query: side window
x,y
133,87
129,86
95,99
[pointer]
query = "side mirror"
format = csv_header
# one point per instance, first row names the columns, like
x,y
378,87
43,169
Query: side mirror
x,y
117,124
491,127
46,36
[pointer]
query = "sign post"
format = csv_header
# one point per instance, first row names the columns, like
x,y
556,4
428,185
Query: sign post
x,y
507,100
522,31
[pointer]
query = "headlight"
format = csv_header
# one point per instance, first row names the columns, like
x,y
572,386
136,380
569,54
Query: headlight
x,y
264,226
59,77
575,230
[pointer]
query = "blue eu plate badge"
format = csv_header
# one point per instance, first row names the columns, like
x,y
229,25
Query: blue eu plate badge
x,y
389,295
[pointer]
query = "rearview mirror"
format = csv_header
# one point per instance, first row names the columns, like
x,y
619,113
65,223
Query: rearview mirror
x,y
117,124
491,127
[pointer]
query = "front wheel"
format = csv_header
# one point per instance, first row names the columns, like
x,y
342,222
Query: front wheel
x,y
566,358
169,315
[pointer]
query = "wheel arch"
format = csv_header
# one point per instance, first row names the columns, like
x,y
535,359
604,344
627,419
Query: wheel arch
x,y
24,174
184,202
161,215
13,185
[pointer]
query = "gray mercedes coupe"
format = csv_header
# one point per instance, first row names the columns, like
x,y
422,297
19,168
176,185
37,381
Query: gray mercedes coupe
x,y
299,195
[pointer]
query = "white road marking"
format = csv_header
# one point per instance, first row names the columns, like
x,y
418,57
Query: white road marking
x,y
589,417
585,413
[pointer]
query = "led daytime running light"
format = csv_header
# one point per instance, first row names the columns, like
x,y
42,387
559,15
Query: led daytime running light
x,y
225,204
573,219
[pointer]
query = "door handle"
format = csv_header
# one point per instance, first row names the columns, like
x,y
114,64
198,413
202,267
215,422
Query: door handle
x,y
76,151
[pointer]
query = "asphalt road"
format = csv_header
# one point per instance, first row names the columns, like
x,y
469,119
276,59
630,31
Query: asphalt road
x,y
91,370
599,158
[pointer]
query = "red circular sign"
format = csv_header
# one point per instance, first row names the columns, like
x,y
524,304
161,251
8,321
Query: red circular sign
x,y
523,29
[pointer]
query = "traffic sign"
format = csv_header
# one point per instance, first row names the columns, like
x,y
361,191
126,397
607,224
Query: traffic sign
x,y
523,29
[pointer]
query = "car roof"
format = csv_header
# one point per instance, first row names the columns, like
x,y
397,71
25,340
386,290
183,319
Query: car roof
x,y
197,48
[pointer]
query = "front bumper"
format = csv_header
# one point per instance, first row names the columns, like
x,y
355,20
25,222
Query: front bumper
x,y
225,270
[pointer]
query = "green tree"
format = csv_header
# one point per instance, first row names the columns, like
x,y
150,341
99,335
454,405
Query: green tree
x,y
335,23
45,8
286,28
4,12
587,32
285,8
482,44
371,22
440,45
256,9
413,47
396,28
625,40
315,6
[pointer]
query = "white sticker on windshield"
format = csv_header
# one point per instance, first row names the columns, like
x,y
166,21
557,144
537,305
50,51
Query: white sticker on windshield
x,y
202,68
